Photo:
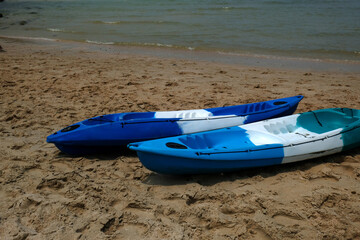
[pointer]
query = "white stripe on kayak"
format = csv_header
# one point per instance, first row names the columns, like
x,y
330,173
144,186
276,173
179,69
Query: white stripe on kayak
x,y
285,132
194,126
184,114
314,149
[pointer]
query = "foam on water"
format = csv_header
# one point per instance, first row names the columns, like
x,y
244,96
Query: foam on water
x,y
100,43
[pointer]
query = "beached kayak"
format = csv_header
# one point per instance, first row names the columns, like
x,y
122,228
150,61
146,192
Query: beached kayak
x,y
270,142
113,130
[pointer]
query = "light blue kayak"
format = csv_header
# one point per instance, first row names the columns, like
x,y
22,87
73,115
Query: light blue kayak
x,y
109,132
269,142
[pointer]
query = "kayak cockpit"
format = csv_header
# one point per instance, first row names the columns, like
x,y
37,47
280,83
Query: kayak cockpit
x,y
101,119
325,121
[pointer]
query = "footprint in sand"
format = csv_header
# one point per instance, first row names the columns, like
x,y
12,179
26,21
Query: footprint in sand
x,y
287,220
260,234
62,167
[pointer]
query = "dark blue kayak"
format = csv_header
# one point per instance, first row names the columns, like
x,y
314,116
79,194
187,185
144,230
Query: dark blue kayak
x,y
99,134
270,142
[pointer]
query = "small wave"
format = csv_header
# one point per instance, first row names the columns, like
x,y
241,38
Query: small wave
x,y
31,38
134,22
138,44
59,30
158,45
165,45
99,43
318,55
55,30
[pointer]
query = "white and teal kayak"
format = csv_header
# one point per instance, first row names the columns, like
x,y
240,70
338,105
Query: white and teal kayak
x,y
276,141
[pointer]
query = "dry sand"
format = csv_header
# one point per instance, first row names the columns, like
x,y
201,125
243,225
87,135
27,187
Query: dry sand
x,y
45,194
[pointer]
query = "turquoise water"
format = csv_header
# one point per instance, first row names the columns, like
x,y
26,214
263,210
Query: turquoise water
x,y
328,29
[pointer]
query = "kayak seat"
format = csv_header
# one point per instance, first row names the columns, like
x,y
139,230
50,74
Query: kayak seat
x,y
325,121
243,109
191,114
335,120
280,128
255,107
218,140
100,120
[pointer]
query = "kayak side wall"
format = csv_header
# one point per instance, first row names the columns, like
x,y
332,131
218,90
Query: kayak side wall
x,y
178,165
351,138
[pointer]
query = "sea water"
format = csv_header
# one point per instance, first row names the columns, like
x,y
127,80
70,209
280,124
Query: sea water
x,y
321,29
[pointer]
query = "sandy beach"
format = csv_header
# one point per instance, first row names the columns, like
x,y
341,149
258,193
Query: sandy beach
x,y
45,194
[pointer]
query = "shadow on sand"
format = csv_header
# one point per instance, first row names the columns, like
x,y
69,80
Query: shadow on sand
x,y
109,154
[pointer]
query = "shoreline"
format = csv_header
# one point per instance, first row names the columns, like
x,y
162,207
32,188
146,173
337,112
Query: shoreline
x,y
46,194
249,60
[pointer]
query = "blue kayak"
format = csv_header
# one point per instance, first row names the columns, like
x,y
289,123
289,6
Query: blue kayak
x,y
276,141
110,131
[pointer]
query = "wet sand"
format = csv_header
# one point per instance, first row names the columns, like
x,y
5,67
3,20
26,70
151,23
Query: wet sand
x,y
45,194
